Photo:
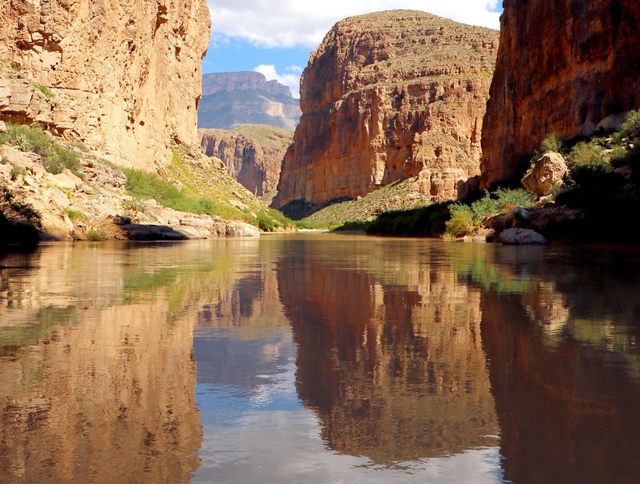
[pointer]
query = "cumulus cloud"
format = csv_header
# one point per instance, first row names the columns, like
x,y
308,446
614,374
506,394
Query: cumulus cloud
x,y
290,78
288,23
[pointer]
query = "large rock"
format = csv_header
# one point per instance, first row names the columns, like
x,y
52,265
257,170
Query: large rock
x,y
254,160
547,173
126,76
521,237
562,67
387,96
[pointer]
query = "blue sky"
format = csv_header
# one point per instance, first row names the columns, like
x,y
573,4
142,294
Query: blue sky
x,y
275,37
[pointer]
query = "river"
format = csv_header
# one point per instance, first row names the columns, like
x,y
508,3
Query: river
x,y
319,358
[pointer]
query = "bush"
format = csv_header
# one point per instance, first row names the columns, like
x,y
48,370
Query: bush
x,y
266,223
461,222
74,214
55,157
585,153
550,143
494,203
94,235
631,126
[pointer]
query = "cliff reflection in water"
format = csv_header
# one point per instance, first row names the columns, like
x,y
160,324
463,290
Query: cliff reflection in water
x,y
561,331
96,370
389,351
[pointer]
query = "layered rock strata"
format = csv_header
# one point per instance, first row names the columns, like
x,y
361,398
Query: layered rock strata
x,y
252,155
232,99
387,96
124,77
562,68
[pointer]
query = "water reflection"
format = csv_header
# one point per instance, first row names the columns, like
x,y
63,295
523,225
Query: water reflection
x,y
395,372
319,359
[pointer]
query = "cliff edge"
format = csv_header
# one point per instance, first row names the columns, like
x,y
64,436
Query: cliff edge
x,y
125,77
387,96
562,67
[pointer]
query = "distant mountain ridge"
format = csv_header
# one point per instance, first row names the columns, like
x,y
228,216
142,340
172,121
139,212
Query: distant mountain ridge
x,y
232,99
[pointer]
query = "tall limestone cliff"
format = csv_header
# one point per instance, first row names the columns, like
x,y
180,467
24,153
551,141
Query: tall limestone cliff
x,y
387,96
125,76
562,67
252,154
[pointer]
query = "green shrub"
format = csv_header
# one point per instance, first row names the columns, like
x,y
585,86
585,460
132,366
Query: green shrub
x,y
266,223
494,203
461,222
585,153
43,89
94,235
55,157
142,184
16,171
74,215
631,126
550,143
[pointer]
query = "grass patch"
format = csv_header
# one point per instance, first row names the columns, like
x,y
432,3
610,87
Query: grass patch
x,y
74,215
55,156
43,89
94,236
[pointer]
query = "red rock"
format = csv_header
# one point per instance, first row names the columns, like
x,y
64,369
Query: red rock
x,y
562,67
387,96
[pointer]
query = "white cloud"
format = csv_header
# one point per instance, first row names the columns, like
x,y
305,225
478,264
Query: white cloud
x,y
291,80
287,23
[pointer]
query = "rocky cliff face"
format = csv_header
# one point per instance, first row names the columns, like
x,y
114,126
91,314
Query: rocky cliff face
x,y
252,154
387,96
232,99
125,76
562,67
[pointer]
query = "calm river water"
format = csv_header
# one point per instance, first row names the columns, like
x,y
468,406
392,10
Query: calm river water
x,y
319,359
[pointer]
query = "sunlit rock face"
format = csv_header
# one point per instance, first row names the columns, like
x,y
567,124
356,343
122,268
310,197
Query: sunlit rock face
x,y
126,75
394,369
119,406
562,67
252,156
387,96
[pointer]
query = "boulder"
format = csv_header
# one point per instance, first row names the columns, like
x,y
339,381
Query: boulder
x,y
242,229
3,127
521,237
548,172
612,123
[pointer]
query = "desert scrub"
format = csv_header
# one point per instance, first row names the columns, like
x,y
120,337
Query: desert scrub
x,y
631,127
43,89
461,222
74,215
16,211
499,200
586,153
55,156
144,185
94,235
550,143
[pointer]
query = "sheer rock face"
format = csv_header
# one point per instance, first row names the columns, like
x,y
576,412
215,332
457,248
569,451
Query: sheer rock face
x,y
387,96
562,67
126,75
255,165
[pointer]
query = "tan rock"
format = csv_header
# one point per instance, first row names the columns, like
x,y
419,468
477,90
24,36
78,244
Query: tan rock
x,y
580,64
383,103
255,163
106,62
241,229
521,237
61,181
71,176
549,171
3,126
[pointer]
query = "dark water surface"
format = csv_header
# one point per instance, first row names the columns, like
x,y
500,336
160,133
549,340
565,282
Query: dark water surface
x,y
319,359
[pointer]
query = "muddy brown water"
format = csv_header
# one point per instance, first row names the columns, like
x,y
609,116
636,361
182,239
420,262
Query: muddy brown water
x,y
319,358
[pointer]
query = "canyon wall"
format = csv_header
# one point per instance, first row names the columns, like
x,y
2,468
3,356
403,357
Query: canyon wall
x,y
232,99
124,77
387,96
252,154
562,67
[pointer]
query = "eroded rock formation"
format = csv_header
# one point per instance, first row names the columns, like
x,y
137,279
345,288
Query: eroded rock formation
x,y
562,67
387,96
252,154
231,99
125,76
